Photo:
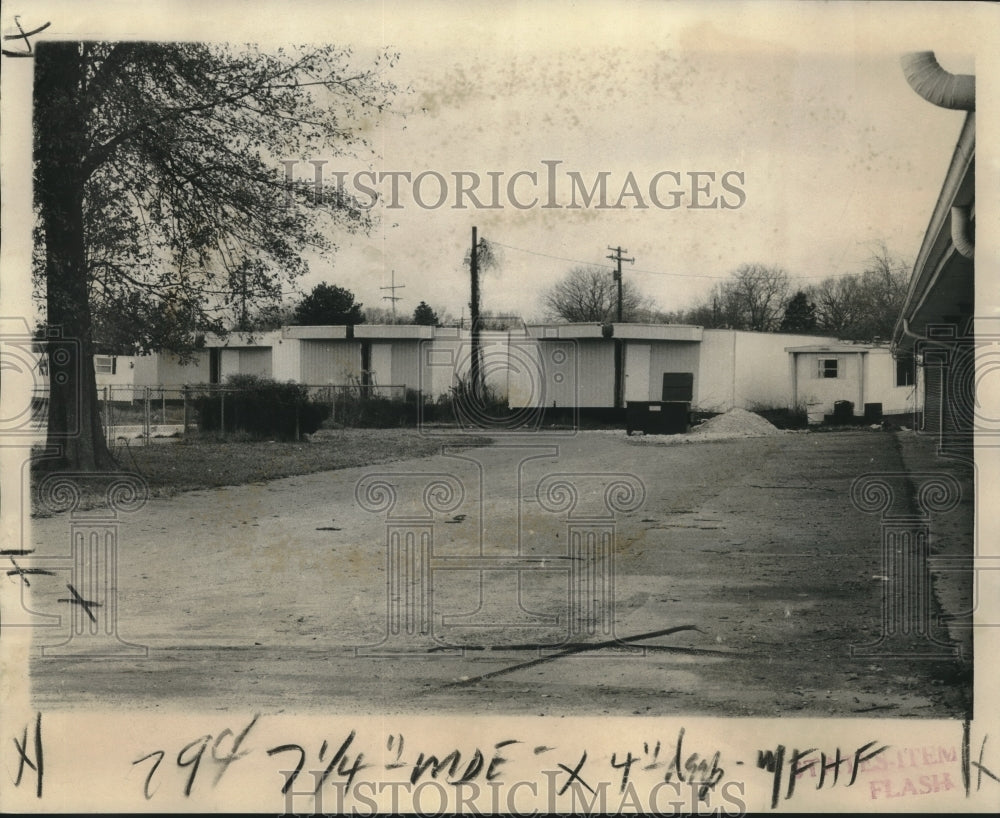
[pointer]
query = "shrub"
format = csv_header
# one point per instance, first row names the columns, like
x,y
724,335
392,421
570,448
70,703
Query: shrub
x,y
260,407
371,408
462,405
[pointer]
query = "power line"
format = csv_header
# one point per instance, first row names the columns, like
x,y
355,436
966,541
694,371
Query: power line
x,y
652,272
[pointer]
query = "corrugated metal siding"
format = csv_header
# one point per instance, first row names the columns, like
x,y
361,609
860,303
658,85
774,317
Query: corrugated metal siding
x,y
330,361
381,362
229,364
255,362
580,373
405,364
671,356
525,382
171,371
933,392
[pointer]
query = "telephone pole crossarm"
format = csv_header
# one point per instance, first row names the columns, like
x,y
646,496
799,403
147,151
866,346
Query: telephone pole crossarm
x,y
393,298
617,256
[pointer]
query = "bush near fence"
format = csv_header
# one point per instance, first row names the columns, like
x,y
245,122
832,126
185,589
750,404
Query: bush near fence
x,y
379,407
259,407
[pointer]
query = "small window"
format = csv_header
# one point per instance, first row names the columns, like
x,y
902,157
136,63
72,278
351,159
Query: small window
x,y
827,368
904,372
104,364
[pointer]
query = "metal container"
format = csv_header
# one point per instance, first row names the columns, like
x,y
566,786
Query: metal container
x,y
657,417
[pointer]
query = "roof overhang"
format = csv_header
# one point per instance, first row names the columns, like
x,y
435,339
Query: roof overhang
x,y
630,332
942,285
393,332
832,349
320,333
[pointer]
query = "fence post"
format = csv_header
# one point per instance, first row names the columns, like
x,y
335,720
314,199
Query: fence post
x,y
146,415
108,434
184,393
222,412
163,405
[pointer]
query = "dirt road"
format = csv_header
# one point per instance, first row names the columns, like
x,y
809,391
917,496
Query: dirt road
x,y
747,557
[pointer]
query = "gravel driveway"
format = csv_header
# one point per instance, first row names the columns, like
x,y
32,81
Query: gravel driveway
x,y
740,581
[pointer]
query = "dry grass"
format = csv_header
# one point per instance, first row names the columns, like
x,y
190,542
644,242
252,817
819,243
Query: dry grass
x,y
185,465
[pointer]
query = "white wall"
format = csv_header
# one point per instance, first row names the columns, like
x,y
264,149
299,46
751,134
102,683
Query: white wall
x,y
763,376
880,385
746,369
716,376
671,356
124,370
165,369
867,376
818,394
286,360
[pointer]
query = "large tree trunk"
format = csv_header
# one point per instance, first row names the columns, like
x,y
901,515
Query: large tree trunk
x,y
60,144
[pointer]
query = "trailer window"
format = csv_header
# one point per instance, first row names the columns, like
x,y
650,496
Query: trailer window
x,y
904,372
827,368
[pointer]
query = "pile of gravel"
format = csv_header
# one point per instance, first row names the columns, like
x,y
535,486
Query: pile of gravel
x,y
736,423
733,425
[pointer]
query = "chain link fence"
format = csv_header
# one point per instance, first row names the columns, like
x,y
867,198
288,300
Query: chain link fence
x,y
142,414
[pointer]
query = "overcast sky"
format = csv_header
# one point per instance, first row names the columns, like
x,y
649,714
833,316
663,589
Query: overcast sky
x,y
835,152
804,105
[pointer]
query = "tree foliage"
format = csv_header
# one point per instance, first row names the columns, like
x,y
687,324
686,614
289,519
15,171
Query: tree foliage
x,y
425,315
588,294
859,307
800,314
326,305
863,307
161,197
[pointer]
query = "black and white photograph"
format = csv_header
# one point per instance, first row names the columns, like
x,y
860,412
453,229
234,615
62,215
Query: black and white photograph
x,y
497,408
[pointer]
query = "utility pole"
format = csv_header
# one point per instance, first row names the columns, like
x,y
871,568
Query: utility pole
x,y
474,368
616,256
393,298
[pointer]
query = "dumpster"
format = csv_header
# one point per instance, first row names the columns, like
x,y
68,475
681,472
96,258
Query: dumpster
x,y
657,417
873,413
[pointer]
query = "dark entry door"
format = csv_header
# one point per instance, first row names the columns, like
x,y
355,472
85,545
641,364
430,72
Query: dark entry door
x,y
678,386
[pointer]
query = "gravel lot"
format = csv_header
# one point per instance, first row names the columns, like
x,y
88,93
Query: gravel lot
x,y
748,550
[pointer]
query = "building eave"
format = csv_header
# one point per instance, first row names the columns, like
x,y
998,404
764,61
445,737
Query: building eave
x,y
940,269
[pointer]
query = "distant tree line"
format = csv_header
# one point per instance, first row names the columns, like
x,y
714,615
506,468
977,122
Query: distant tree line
x,y
860,307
